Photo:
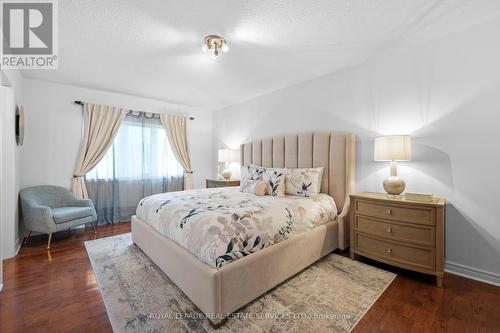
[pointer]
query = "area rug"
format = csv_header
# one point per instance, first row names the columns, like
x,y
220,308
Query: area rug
x,y
330,296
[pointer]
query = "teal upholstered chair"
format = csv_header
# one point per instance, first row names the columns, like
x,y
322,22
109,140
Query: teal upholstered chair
x,y
49,209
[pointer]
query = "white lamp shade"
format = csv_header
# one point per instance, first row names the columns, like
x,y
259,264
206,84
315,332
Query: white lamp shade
x,y
224,155
393,148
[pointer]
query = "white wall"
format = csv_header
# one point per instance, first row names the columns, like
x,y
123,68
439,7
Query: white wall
x,y
446,94
10,94
11,161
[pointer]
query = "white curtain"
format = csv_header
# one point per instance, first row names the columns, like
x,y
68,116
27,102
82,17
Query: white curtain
x,y
101,123
176,128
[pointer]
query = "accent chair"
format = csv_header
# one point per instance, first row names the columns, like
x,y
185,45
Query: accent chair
x,y
49,209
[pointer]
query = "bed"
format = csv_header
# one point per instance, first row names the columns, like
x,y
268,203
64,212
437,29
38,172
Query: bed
x,y
219,284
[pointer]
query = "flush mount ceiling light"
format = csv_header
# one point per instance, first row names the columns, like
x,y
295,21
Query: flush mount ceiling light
x,y
214,44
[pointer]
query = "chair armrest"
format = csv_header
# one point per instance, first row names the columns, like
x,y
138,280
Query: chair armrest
x,y
31,211
38,218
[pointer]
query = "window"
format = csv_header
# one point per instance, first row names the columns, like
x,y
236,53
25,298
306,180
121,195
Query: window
x,y
139,163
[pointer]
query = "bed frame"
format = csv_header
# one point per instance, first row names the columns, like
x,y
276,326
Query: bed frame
x,y
219,292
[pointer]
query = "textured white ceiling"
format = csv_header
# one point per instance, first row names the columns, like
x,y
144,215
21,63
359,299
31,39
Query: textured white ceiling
x,y
152,48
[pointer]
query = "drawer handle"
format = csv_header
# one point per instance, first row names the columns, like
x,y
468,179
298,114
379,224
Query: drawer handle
x,y
389,212
389,230
389,251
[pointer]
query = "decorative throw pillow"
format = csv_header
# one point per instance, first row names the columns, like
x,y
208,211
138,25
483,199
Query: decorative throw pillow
x,y
261,188
303,182
257,171
275,177
257,187
250,174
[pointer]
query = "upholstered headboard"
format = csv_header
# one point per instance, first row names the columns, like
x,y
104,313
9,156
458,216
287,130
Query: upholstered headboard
x,y
336,152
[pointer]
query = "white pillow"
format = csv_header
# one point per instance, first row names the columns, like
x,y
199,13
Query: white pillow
x,y
275,177
303,182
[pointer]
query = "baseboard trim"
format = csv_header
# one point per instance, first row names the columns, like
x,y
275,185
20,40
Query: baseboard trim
x,y
472,273
18,247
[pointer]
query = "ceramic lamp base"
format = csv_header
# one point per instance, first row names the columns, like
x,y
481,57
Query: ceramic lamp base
x,y
394,185
226,174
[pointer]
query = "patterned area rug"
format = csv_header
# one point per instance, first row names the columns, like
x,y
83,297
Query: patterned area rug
x,y
330,296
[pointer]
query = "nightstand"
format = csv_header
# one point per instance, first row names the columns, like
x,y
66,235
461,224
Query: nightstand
x,y
210,183
403,233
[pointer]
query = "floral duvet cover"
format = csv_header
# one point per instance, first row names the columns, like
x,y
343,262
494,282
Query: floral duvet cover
x,y
221,225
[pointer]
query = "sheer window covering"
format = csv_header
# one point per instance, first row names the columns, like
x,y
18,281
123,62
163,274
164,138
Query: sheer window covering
x,y
139,163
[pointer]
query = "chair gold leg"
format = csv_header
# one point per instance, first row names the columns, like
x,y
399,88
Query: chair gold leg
x,y
50,239
93,227
27,237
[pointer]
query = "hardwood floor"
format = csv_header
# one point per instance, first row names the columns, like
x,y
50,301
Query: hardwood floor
x,y
56,292
413,303
59,293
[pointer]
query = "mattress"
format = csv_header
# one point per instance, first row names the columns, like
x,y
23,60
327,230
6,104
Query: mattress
x,y
221,225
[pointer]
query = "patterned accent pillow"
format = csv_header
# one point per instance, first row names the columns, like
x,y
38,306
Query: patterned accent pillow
x,y
257,187
249,175
276,181
252,172
303,182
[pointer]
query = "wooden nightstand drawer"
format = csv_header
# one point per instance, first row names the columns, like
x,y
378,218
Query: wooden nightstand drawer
x,y
420,258
413,214
212,183
405,232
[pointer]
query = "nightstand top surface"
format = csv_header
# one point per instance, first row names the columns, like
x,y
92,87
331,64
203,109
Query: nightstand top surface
x,y
386,197
223,180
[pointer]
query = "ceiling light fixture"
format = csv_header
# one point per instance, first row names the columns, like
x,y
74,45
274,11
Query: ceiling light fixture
x,y
214,44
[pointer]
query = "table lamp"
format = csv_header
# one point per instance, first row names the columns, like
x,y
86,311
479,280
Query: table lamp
x,y
393,148
225,157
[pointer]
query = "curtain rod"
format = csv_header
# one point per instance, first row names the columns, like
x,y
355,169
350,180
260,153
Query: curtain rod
x,y
81,103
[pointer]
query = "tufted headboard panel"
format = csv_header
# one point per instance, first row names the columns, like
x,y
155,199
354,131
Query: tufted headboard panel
x,y
336,152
